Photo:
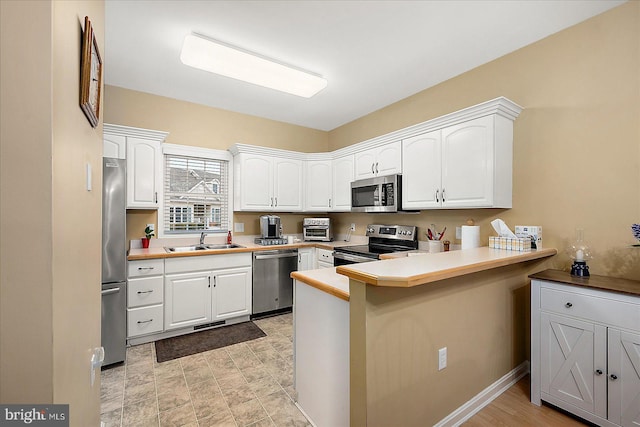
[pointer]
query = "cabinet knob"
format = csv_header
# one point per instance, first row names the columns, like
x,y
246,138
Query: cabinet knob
x,y
613,377
568,305
598,372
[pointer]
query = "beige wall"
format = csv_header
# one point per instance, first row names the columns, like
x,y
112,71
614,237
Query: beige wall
x,y
201,126
576,143
395,335
50,223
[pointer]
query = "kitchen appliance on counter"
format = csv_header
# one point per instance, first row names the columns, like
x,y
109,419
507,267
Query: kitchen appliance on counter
x,y
114,261
270,231
378,194
317,230
272,282
383,239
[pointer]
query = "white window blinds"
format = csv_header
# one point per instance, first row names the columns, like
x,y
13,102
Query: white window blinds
x,y
196,194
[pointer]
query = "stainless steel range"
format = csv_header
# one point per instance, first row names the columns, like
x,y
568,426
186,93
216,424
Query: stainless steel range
x,y
383,239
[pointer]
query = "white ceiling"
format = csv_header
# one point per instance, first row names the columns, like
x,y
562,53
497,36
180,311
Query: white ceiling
x,y
373,53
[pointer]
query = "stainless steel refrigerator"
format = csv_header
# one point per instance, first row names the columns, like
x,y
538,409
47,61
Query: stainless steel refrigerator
x,y
114,260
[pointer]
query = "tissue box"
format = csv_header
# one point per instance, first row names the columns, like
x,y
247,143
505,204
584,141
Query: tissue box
x,y
533,232
510,244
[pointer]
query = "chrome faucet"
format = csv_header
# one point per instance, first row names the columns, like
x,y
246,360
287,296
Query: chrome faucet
x,y
202,237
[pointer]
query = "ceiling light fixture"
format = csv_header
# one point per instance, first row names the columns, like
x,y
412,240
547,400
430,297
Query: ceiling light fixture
x,y
215,57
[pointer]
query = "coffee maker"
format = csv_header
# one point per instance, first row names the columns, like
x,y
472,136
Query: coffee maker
x,y
270,231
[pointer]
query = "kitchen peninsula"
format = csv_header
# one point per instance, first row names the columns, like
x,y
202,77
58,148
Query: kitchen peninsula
x,y
401,313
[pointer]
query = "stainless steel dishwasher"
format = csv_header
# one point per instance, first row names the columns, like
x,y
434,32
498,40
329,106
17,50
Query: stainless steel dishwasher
x,y
272,283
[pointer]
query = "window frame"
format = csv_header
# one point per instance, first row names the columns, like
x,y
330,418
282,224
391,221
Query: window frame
x,y
206,153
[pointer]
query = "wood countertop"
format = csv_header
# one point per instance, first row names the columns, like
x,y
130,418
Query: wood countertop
x,y
160,252
419,270
625,286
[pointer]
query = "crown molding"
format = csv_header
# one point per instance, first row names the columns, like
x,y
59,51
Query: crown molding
x,y
155,135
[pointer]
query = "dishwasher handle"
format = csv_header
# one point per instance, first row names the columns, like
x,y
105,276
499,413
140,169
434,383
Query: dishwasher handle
x,y
110,291
275,256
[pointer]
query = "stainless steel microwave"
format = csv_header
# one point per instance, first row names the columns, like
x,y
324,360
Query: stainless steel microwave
x,y
378,194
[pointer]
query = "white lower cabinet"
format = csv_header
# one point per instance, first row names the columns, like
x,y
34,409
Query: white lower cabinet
x,y
585,352
145,297
325,258
306,259
205,289
232,293
188,299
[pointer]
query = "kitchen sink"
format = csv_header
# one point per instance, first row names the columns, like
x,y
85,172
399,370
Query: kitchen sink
x,y
192,248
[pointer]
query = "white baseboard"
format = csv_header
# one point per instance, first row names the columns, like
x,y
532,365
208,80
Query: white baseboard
x,y
486,396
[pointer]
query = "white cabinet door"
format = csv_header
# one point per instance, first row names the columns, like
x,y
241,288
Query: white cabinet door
x,y
567,348
231,293
306,259
114,146
255,181
319,187
379,161
343,172
624,378
144,173
421,171
287,185
468,164
389,159
187,299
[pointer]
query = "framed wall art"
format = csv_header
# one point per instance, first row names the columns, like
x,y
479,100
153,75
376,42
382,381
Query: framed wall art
x,y
90,75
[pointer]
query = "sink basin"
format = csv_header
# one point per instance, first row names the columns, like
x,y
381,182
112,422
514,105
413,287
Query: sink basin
x,y
224,246
191,248
186,248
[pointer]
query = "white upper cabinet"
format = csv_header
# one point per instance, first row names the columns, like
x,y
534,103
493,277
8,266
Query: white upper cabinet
x,y
143,150
467,165
266,183
379,161
319,185
115,146
343,173
144,173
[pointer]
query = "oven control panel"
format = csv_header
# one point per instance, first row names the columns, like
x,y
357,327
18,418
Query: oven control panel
x,y
400,232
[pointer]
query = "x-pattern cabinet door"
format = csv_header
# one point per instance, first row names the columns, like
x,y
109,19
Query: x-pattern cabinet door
x,y
624,378
568,353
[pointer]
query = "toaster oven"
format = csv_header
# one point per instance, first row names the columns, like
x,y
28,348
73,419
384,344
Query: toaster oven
x,y
317,230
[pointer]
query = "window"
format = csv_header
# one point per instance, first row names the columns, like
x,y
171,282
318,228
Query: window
x,y
195,192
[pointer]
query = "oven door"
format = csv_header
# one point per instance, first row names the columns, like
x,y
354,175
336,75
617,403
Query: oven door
x,y
316,233
341,258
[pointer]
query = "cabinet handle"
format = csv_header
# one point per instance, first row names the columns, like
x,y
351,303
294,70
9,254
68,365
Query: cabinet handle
x,y
376,167
568,305
443,196
214,281
209,281
373,165
156,197
146,268
598,372
329,202
276,199
145,321
271,202
145,292
437,196
613,377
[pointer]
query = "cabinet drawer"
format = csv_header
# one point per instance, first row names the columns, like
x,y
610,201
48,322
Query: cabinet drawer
x,y
152,267
597,308
145,291
144,321
325,255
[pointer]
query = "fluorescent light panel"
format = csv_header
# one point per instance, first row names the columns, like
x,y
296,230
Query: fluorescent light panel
x,y
209,55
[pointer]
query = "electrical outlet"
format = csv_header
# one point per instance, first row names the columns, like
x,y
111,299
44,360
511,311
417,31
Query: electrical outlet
x,y
238,227
442,358
353,227
458,233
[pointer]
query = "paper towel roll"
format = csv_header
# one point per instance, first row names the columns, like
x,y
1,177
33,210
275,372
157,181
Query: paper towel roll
x,y
470,236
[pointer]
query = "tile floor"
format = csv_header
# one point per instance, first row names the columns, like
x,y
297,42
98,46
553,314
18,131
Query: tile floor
x,y
247,384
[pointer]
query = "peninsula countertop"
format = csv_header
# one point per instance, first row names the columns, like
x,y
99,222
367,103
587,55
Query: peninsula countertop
x,y
411,271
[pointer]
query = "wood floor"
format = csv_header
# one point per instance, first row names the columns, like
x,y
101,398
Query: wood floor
x,y
513,408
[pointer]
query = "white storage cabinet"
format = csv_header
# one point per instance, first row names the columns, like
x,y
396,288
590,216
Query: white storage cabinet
x,y
379,161
267,184
318,186
467,165
204,289
585,352
343,175
306,259
145,310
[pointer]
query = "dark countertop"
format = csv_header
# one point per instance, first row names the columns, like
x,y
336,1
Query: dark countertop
x,y
625,286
